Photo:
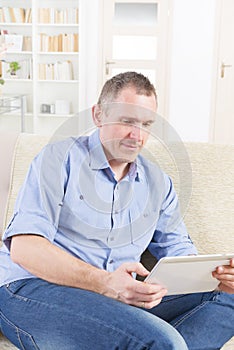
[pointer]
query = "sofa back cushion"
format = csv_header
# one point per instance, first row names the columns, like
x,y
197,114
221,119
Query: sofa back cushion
x,y
208,199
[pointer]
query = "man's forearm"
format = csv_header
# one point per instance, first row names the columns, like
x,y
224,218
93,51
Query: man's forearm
x,y
47,261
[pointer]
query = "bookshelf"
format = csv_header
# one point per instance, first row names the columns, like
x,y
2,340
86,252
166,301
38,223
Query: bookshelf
x,y
43,37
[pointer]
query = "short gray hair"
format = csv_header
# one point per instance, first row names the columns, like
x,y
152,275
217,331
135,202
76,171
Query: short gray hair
x,y
116,84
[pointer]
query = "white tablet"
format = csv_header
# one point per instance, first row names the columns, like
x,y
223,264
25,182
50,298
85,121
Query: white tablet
x,y
188,274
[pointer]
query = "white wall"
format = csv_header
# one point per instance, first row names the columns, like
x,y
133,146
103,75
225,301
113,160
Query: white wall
x,y
91,57
193,31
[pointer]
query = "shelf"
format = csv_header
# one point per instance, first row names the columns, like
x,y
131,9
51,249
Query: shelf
x,y
15,24
46,115
60,53
59,81
58,25
16,80
18,53
16,115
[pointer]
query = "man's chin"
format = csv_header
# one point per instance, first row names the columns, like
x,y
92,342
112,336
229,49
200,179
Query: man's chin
x,y
127,158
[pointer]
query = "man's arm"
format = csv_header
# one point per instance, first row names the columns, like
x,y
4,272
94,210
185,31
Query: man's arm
x,y
49,262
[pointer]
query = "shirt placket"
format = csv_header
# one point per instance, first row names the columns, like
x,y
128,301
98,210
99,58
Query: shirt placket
x,y
118,214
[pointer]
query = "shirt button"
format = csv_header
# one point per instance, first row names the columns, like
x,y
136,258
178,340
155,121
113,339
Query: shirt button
x,y
145,215
111,261
81,197
112,239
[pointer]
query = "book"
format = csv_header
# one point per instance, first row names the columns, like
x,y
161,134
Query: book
x,y
19,14
27,43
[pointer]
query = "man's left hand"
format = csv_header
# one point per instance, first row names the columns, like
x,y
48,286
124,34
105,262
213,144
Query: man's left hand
x,y
225,274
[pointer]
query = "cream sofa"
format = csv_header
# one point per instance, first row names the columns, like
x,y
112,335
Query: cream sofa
x,y
204,179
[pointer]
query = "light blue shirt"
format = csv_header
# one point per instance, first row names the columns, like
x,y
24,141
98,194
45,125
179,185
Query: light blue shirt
x,y
71,197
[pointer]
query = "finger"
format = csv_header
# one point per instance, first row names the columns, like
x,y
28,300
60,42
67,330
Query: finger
x,y
225,269
137,268
149,305
150,300
152,304
224,277
147,288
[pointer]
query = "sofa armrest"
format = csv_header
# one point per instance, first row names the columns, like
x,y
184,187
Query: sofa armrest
x,y
7,147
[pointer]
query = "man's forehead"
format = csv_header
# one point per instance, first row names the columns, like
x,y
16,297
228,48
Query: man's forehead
x,y
129,110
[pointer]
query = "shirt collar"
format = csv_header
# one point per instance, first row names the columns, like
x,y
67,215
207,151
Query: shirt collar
x,y
98,159
97,156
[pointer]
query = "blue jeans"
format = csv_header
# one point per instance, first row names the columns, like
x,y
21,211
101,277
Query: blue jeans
x,y
36,314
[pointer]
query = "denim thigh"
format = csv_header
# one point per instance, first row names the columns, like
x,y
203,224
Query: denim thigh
x,y
36,314
205,320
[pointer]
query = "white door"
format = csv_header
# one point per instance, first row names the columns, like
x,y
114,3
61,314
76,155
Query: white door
x,y
223,125
135,37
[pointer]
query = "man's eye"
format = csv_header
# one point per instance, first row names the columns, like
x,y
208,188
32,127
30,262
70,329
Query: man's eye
x,y
127,121
147,125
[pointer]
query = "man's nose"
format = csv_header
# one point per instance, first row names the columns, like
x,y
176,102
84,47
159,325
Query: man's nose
x,y
136,132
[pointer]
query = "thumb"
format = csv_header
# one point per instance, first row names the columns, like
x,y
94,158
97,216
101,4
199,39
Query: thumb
x,y
138,268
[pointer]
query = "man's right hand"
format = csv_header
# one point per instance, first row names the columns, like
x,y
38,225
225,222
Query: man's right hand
x,y
123,287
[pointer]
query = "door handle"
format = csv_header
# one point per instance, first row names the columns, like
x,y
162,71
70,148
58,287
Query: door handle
x,y
223,66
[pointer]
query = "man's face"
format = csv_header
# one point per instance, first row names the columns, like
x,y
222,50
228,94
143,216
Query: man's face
x,y
125,125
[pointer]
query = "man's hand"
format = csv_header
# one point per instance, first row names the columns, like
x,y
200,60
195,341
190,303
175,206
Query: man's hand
x,y
123,287
225,274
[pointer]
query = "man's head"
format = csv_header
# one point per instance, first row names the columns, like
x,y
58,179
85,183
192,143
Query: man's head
x,y
124,114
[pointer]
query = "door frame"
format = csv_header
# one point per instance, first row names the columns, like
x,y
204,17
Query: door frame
x,y
215,70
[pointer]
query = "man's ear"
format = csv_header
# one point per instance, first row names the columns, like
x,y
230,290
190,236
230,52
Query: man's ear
x,y
97,115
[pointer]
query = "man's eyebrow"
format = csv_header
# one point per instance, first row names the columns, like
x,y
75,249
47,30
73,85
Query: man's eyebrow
x,y
151,121
135,119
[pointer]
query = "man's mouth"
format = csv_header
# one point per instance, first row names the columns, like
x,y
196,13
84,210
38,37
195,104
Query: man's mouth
x,y
131,146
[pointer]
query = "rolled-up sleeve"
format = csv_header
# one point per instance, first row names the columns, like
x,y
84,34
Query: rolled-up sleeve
x,y
170,237
38,203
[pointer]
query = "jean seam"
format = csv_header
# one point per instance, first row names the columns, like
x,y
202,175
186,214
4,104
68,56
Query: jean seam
x,y
117,329
20,297
18,330
189,314
171,298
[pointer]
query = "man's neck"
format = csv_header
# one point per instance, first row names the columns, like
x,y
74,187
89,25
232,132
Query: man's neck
x,y
119,169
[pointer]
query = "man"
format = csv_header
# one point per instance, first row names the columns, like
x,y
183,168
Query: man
x,y
87,211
